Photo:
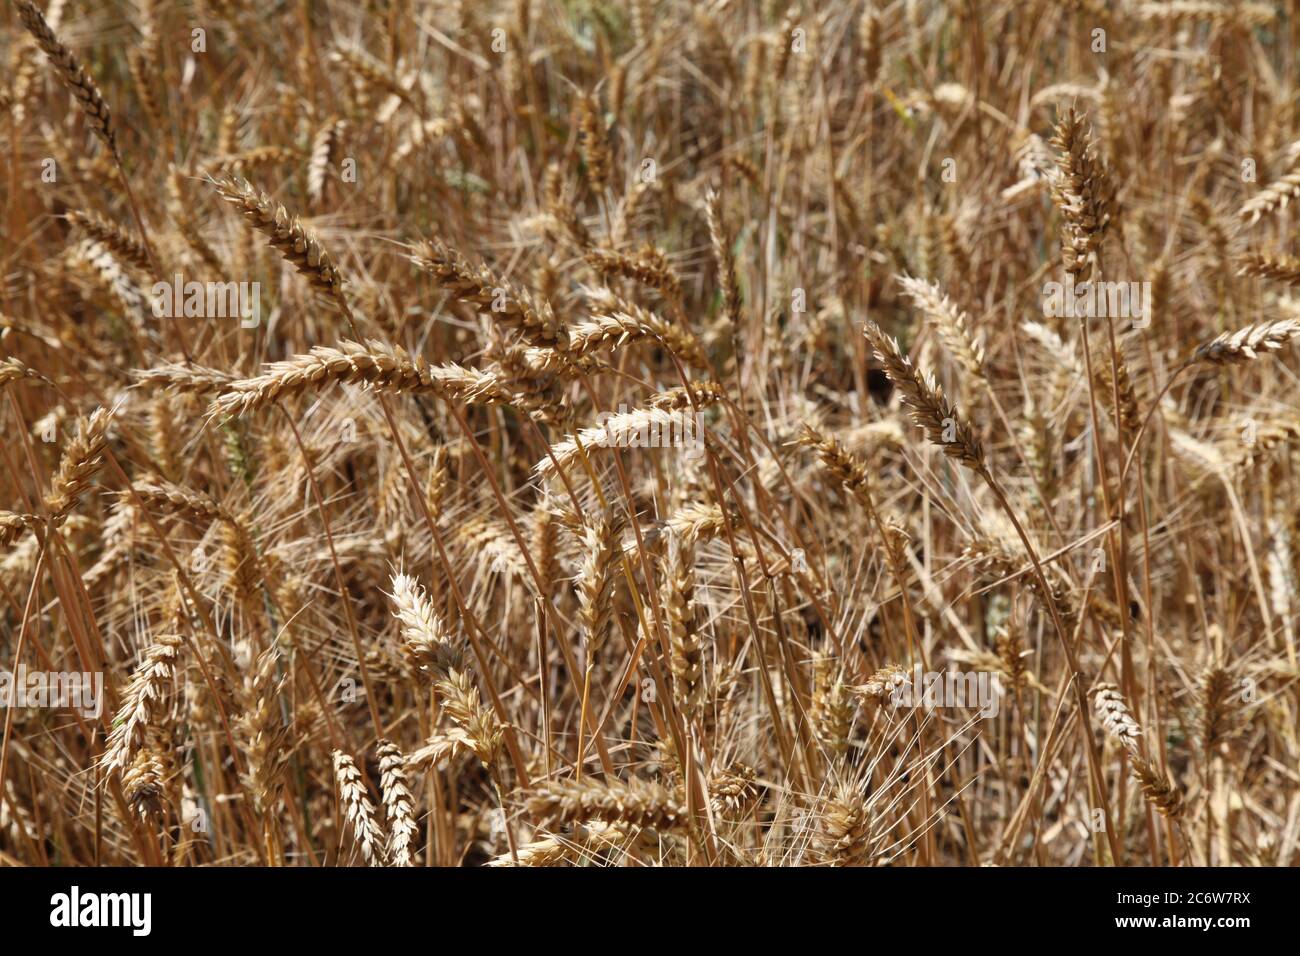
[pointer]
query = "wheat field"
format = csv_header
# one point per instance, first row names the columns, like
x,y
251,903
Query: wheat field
x,y
573,433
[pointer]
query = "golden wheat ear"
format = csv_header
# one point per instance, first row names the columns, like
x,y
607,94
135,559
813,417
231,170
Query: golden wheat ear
x,y
647,265
399,805
595,148
426,642
109,234
1278,268
596,581
377,365
851,471
358,810
141,705
81,461
12,525
616,321
952,324
74,75
1082,195
1244,345
12,370
480,287
930,409
635,802
298,244
1112,711
183,379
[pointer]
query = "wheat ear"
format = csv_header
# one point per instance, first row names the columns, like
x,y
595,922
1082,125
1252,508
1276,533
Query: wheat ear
x,y
358,810
723,261
930,408
631,323
264,735
140,704
478,286
847,836
483,731
184,379
636,802
952,324
12,370
1113,713
323,148
425,639
399,805
122,245
296,242
648,265
382,367
554,851
596,582
12,525
1081,195
81,460
616,431
685,643
1232,348
73,74
1278,268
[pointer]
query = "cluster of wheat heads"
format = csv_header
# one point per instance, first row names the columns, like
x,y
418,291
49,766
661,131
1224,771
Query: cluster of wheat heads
x,y
637,395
